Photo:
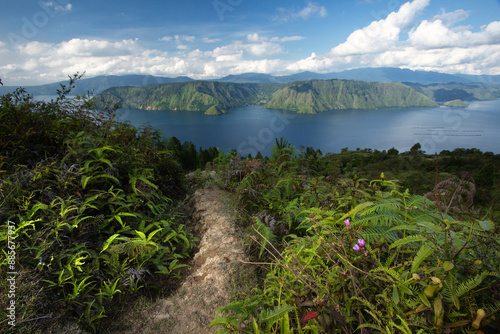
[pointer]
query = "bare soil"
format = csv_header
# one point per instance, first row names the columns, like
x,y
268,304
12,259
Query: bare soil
x,y
192,307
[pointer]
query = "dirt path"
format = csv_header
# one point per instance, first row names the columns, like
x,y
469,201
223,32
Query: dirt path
x,y
192,307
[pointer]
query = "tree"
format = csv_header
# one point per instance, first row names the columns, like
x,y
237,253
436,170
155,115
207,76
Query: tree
x,y
416,149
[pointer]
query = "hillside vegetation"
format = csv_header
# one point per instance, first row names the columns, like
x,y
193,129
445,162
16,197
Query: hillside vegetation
x,y
345,254
195,95
305,97
320,95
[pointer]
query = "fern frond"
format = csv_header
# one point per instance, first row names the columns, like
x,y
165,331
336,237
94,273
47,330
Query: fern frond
x,y
407,240
424,252
467,286
266,232
271,316
385,206
492,308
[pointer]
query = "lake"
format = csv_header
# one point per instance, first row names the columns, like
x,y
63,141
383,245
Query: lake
x,y
251,129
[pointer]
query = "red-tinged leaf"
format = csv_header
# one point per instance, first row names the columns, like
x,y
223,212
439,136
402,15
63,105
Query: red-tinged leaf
x,y
311,315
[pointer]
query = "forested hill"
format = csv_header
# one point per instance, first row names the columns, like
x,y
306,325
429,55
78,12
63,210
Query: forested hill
x,y
320,95
304,96
194,95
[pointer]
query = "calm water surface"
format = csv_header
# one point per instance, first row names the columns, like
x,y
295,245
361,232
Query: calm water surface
x,y
253,128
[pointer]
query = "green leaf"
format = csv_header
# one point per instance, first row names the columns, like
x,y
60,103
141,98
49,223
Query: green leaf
x,y
486,225
108,242
448,265
424,299
407,240
395,294
141,235
424,252
271,316
352,213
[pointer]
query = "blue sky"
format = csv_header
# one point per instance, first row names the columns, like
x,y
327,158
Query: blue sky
x,y
45,40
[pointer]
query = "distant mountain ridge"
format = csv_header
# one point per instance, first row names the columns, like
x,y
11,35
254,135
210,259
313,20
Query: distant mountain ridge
x,y
97,84
308,97
378,74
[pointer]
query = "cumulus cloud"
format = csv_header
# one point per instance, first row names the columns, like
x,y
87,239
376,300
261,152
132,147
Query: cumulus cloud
x,y
436,44
402,39
382,34
432,35
311,10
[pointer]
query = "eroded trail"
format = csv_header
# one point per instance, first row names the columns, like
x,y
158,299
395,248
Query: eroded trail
x,y
192,307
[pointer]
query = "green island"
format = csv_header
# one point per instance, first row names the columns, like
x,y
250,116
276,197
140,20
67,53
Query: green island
x,y
456,104
95,227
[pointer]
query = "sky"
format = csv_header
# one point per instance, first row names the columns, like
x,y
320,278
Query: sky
x,y
44,41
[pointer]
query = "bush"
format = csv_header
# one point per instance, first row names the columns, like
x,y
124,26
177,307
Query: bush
x,y
88,205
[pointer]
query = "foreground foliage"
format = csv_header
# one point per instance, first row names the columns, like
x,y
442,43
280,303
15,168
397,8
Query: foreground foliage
x,y
94,219
352,255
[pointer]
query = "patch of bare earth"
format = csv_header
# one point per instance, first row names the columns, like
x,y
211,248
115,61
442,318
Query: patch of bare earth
x,y
192,307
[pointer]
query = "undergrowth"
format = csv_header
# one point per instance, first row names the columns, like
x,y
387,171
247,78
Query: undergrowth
x,y
89,211
349,255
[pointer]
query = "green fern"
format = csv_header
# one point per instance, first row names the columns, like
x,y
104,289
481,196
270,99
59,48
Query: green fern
x,y
424,252
472,283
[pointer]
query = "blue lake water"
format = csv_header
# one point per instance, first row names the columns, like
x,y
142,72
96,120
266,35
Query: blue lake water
x,y
253,128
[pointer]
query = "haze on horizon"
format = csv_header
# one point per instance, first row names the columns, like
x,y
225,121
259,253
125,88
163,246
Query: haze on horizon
x,y
44,41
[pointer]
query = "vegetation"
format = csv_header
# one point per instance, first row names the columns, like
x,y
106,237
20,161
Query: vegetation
x,y
441,92
303,96
456,104
359,241
193,95
320,95
90,221
345,254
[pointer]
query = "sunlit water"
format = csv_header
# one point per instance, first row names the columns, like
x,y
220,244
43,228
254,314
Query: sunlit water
x,y
252,129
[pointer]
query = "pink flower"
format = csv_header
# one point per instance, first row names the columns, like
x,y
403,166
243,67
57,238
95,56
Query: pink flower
x,y
347,222
361,242
356,248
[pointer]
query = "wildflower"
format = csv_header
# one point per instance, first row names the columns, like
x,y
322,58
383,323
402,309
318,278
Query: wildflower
x,y
361,242
311,315
356,248
347,223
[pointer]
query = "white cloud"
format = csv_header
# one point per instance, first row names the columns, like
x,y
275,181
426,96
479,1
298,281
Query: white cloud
x,y
57,7
452,18
253,44
311,10
435,44
287,39
185,38
380,35
210,40
432,35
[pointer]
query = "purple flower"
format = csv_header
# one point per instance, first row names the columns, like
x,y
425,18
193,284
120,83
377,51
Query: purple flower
x,y
347,222
361,242
356,248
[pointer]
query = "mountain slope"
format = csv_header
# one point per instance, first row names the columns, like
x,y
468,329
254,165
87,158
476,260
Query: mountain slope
x,y
195,95
321,95
97,84
304,96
